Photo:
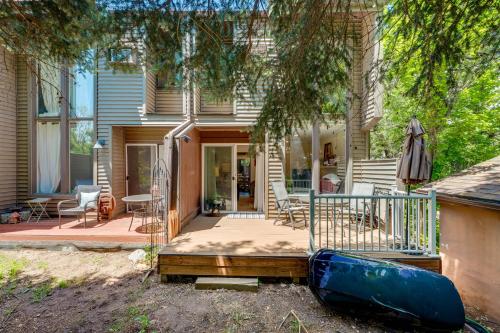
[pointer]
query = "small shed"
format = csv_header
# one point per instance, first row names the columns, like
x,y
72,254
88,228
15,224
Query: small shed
x,y
470,233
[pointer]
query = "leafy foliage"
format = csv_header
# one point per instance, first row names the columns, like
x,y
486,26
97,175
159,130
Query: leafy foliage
x,y
438,54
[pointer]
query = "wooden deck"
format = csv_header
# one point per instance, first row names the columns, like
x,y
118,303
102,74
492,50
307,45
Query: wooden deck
x,y
223,246
46,232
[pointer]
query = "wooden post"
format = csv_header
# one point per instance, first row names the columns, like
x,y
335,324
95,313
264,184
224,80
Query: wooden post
x,y
432,227
315,157
312,243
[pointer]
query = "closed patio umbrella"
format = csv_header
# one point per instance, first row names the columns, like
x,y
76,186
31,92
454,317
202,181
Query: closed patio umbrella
x,y
414,165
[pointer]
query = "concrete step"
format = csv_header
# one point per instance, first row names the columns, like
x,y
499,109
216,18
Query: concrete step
x,y
241,284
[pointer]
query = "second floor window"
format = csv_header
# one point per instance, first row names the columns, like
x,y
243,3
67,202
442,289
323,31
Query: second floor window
x,y
171,75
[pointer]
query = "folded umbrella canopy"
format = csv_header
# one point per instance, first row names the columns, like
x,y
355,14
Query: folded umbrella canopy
x,y
414,166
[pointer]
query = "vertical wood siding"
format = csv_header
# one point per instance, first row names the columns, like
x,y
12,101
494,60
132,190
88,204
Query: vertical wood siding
x,y
118,167
190,176
8,164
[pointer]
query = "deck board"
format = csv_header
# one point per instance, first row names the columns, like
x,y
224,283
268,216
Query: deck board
x,y
250,247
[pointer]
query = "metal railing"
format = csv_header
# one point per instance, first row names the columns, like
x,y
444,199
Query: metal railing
x,y
396,222
299,185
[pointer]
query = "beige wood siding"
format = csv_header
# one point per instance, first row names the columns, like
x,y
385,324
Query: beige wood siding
x,y
8,133
372,88
150,92
118,167
222,107
273,169
382,172
121,99
22,125
146,134
169,101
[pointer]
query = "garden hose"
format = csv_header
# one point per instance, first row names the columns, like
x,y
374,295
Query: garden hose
x,y
475,326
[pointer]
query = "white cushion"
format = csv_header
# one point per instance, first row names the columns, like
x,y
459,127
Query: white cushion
x,y
88,197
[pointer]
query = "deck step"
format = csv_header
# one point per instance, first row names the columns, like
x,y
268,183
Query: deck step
x,y
241,284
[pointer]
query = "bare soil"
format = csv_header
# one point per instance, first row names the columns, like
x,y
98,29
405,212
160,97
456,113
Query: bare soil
x,y
57,291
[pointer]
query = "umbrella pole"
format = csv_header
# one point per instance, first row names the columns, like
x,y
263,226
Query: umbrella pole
x,y
407,224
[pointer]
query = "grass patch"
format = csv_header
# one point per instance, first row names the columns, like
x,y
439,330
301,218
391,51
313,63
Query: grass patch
x,y
42,265
135,320
63,284
11,268
41,292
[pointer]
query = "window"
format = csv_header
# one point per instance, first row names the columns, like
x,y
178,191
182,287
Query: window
x,y
171,76
48,128
81,131
298,158
123,55
64,128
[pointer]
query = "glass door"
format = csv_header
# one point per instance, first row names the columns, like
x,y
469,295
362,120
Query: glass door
x,y
218,178
140,163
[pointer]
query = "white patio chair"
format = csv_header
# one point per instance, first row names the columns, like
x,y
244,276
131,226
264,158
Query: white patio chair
x,y
87,199
284,204
363,208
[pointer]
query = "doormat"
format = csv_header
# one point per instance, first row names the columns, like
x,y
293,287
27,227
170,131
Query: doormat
x,y
246,215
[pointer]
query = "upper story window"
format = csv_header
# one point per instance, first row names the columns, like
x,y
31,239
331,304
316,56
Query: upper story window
x,y
64,127
122,55
171,76
49,90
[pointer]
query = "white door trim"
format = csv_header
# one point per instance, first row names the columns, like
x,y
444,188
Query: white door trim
x,y
233,171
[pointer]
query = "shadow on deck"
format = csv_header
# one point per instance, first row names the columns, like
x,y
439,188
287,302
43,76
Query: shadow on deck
x,y
223,246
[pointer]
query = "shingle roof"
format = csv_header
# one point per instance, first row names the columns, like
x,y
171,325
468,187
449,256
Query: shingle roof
x,y
477,185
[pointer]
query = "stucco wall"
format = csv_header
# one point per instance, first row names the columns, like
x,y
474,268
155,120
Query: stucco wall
x,y
470,252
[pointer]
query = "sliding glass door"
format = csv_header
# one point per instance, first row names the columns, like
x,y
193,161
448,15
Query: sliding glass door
x,y
141,159
218,178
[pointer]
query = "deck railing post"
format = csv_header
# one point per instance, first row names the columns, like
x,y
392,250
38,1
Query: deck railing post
x,y
312,241
432,220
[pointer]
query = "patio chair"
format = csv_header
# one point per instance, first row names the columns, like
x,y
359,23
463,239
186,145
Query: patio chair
x,y
87,199
363,207
284,204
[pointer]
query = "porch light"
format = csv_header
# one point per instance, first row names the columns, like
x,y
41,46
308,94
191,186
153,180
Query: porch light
x,y
99,144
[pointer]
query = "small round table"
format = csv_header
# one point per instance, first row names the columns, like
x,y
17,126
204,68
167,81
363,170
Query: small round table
x,y
138,199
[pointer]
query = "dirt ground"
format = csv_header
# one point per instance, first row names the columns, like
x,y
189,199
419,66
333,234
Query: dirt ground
x,y
57,291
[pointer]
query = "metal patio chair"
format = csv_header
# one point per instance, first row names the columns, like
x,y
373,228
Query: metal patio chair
x,y
84,203
358,210
284,204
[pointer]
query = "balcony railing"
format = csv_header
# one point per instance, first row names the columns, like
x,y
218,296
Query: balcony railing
x,y
397,222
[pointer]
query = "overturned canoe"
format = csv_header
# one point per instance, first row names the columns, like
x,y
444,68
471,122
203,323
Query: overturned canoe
x,y
346,281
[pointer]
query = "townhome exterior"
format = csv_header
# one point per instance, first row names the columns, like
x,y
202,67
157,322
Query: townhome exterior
x,y
138,120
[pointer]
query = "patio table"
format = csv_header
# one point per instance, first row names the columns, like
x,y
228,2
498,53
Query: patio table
x,y
138,199
38,208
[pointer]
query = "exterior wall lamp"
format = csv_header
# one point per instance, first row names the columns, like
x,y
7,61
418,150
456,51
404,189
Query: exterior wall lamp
x,y
99,144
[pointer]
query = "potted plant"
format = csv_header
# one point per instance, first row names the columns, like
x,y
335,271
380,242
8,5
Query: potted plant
x,y
214,204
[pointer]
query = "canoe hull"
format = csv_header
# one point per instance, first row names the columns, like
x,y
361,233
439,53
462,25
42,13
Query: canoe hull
x,y
346,281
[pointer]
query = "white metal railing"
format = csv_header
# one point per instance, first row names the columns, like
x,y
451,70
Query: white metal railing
x,y
396,222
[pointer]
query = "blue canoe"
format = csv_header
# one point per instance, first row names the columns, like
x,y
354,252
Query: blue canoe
x,y
416,296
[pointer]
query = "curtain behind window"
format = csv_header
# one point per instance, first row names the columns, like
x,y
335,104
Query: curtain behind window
x,y
48,157
49,84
